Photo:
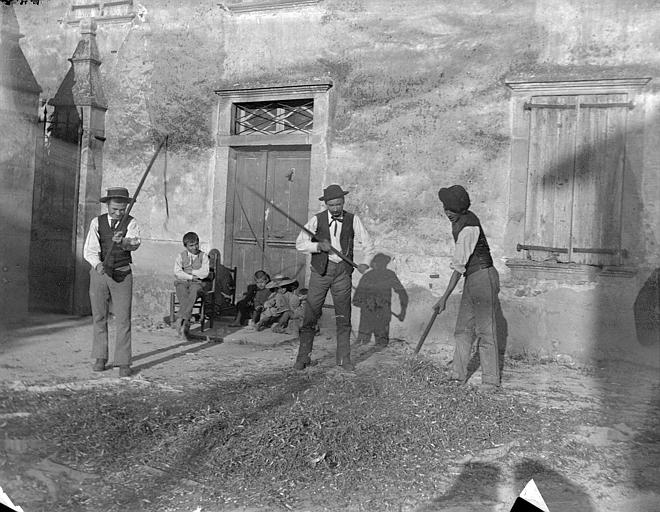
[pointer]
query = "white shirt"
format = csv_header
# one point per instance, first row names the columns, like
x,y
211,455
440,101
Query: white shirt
x,y
362,245
465,244
92,247
200,273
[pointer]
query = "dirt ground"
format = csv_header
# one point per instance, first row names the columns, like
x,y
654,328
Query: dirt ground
x,y
52,352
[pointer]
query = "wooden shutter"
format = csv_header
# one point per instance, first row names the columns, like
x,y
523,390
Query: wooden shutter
x,y
549,178
598,179
575,177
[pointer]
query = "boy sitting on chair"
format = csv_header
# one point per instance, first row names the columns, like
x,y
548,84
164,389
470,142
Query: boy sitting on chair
x,y
191,268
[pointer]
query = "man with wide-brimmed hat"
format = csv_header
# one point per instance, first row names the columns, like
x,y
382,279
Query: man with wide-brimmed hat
x,y
108,248
479,303
335,230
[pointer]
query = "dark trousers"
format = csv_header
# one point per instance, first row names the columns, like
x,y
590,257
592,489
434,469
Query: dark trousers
x,y
338,280
187,292
477,321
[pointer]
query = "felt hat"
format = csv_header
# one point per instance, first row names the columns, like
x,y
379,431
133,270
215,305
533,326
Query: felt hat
x,y
116,193
332,192
382,258
454,198
279,280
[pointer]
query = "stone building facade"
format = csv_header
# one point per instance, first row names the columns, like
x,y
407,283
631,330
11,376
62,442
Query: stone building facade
x,y
545,111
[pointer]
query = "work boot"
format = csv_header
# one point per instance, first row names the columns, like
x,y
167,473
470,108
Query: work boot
x,y
125,371
302,363
99,365
347,365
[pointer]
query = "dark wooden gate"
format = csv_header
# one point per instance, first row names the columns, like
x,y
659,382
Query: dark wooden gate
x,y
257,236
54,211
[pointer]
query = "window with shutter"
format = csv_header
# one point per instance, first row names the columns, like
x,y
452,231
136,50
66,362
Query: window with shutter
x,y
575,177
575,161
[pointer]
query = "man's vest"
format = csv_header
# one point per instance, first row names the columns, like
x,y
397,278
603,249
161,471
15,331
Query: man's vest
x,y
346,237
480,257
121,257
190,262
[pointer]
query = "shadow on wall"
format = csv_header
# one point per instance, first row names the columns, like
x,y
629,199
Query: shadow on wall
x,y
373,296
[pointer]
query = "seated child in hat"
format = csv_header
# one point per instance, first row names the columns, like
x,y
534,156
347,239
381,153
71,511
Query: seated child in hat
x,y
251,305
292,319
191,268
278,303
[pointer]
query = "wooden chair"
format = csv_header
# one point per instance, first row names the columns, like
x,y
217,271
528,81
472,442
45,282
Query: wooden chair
x,y
206,298
228,294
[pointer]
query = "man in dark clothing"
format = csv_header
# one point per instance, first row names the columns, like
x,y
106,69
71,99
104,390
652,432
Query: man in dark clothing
x,y
333,227
108,251
479,303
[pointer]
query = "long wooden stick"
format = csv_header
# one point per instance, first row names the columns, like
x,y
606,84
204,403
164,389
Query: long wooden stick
x,y
123,222
426,331
301,226
139,187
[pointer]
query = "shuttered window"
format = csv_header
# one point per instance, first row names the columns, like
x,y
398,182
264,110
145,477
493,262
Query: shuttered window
x,y
575,174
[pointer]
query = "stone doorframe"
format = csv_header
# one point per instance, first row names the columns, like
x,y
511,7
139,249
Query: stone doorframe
x,y
318,90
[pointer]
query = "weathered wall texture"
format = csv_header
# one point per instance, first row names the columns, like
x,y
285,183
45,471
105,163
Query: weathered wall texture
x,y
19,100
419,102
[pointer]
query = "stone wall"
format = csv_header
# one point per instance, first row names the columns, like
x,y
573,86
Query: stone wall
x,y
19,102
419,101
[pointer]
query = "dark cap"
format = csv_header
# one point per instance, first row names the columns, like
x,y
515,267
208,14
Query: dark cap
x,y
454,198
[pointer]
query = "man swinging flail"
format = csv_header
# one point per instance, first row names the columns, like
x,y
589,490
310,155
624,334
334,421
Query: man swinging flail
x,y
479,302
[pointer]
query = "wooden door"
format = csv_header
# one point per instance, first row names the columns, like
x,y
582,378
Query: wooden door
x,y
258,236
54,211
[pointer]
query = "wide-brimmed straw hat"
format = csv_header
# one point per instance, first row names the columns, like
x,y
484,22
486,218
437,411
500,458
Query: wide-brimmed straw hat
x,y
116,193
279,280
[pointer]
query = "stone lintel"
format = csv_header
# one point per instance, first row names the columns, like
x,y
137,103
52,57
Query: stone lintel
x,y
262,92
267,5
577,86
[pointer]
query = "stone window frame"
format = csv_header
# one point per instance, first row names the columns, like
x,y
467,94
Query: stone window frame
x,y
317,90
521,93
80,6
